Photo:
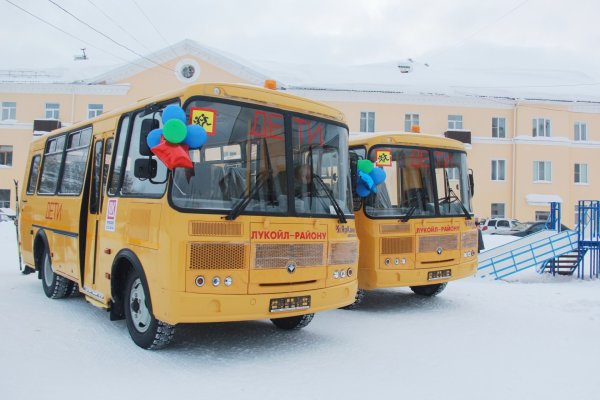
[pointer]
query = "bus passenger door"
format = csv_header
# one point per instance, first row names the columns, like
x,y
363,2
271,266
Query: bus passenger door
x,y
101,150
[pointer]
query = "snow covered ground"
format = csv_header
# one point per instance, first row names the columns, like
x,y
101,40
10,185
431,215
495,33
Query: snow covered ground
x,y
477,340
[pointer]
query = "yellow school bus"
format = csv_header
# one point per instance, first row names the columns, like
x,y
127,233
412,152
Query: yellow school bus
x,y
418,229
234,237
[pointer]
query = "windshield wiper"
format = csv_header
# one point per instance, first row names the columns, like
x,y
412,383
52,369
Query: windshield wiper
x,y
460,203
408,214
336,206
243,203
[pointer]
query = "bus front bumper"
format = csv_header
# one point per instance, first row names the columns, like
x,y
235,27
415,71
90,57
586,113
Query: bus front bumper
x,y
370,279
182,307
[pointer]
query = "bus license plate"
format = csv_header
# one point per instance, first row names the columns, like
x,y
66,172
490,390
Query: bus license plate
x,y
441,274
289,304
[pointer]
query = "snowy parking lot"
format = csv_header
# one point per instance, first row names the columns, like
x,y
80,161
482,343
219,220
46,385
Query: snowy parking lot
x,y
535,337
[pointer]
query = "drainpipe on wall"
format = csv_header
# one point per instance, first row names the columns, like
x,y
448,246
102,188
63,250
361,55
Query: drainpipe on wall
x,y
514,159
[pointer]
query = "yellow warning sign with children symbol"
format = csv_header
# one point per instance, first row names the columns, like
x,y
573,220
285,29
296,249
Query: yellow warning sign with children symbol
x,y
383,158
206,118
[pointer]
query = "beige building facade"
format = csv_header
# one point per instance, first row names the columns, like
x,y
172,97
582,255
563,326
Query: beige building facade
x,y
523,152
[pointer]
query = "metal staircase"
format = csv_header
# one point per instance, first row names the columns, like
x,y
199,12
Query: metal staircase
x,y
550,250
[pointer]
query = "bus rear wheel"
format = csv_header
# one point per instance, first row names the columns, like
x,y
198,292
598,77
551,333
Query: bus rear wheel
x,y
55,286
145,330
293,323
429,290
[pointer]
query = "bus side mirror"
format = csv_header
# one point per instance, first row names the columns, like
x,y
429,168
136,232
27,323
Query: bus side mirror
x,y
145,168
471,183
147,126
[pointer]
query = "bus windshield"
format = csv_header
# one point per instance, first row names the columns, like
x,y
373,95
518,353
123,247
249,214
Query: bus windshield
x,y
252,163
421,182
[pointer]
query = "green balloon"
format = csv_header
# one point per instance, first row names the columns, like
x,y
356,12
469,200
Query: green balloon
x,y
365,166
174,131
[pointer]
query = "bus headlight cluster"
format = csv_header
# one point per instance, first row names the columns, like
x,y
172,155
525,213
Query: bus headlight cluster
x,y
216,281
343,273
469,253
397,261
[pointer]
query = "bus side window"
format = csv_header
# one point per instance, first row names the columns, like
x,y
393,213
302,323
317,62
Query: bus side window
x,y
96,177
118,162
33,173
107,155
53,155
75,160
133,186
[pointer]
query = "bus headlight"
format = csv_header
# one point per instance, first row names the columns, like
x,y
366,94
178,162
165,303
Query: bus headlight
x,y
200,281
336,274
216,281
228,281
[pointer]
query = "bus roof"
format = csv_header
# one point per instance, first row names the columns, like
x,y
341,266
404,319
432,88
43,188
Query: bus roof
x,y
405,138
241,92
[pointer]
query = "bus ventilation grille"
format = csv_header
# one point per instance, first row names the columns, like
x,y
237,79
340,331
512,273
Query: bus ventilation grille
x,y
432,243
396,245
200,228
216,255
469,239
280,255
343,253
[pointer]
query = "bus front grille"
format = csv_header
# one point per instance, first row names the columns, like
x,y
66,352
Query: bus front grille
x,y
280,255
202,228
469,239
432,243
216,255
396,245
343,253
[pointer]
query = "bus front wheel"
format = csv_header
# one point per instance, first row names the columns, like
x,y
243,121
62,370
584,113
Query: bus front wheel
x,y
293,323
55,286
429,290
358,298
145,330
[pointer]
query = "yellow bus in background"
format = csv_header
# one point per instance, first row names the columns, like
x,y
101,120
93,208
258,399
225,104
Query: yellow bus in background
x,y
418,229
236,237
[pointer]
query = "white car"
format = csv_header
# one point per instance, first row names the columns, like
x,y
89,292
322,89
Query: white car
x,y
498,224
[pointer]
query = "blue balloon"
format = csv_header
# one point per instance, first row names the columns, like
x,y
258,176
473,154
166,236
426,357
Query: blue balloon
x,y
362,190
153,138
173,112
378,175
365,179
196,136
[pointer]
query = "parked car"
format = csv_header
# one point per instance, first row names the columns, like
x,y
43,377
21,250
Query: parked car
x,y
526,230
493,225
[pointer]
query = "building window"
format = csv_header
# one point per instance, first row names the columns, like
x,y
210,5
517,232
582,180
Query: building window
x,y
52,111
367,121
497,210
4,198
455,122
6,155
9,110
410,120
542,216
94,110
580,131
542,171
498,127
498,170
581,173
542,127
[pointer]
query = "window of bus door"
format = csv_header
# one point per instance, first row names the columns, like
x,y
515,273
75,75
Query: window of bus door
x,y
95,192
321,172
408,188
242,162
452,182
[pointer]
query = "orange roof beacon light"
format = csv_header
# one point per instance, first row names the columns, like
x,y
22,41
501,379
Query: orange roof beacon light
x,y
271,84
415,129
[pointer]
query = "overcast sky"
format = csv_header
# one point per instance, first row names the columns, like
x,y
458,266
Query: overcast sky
x,y
505,33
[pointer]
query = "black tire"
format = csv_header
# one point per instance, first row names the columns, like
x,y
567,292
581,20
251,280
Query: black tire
x,y
429,290
73,290
55,286
145,330
293,323
360,295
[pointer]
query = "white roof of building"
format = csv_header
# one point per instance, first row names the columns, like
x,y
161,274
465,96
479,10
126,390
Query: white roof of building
x,y
502,84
